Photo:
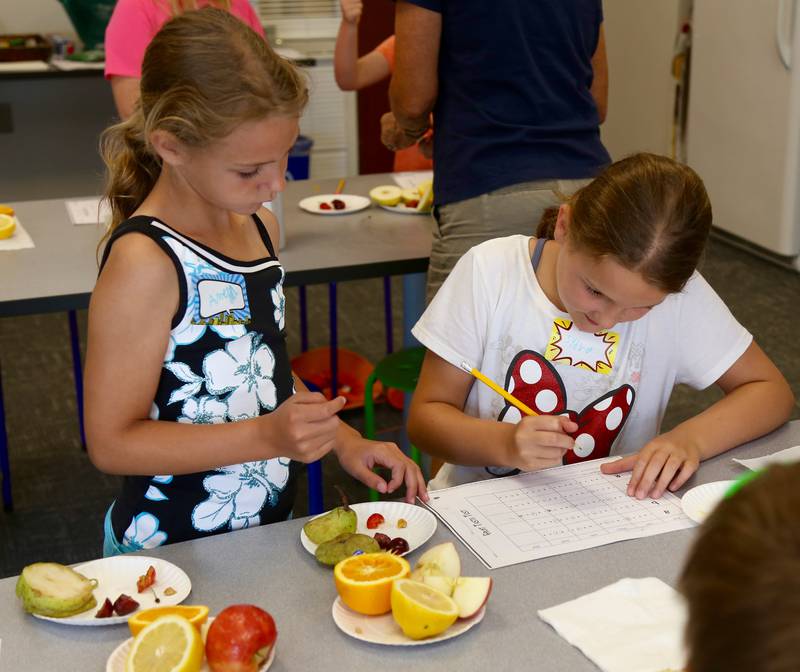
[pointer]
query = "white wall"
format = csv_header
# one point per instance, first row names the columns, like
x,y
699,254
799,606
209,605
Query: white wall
x,y
640,39
35,16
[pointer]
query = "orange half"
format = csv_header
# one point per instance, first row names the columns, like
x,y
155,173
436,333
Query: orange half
x,y
364,582
195,614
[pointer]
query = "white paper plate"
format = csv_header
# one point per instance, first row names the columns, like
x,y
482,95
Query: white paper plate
x,y
352,204
118,574
119,656
403,209
384,630
700,501
421,523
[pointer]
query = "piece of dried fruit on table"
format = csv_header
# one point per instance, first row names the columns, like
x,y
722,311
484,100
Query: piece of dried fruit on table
x,y
374,521
146,580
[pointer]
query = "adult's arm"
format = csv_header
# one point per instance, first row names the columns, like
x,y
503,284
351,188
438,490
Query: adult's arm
x,y
599,88
415,82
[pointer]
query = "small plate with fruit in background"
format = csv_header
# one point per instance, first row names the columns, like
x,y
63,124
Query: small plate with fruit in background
x,y
242,636
382,523
334,204
417,201
116,587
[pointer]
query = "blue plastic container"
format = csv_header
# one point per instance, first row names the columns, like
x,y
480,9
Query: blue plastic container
x,y
299,159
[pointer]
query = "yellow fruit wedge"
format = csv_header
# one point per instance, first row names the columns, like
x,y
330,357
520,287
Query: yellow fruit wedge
x,y
421,611
364,582
6,210
168,644
426,199
7,226
196,614
423,186
388,194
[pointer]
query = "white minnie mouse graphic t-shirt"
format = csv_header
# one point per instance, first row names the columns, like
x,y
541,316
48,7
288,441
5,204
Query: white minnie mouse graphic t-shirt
x,y
615,384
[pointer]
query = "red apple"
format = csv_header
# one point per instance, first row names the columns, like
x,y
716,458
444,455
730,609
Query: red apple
x,y
240,639
470,594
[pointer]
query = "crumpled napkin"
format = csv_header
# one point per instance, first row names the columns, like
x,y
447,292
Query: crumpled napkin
x,y
633,625
785,456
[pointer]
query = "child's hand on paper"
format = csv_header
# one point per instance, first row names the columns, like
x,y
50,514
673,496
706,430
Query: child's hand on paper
x,y
540,441
666,462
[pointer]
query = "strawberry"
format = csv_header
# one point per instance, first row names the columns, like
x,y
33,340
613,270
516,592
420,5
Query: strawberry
x,y
324,206
375,520
146,580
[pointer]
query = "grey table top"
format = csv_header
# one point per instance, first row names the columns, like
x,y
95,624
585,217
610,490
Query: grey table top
x,y
60,271
268,566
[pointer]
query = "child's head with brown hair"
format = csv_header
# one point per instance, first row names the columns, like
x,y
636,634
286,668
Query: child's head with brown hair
x,y
742,580
205,75
647,212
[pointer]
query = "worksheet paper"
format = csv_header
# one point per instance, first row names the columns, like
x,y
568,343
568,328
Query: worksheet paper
x,y
533,515
88,211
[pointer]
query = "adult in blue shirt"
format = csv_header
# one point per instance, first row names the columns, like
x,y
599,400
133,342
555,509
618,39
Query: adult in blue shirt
x,y
518,89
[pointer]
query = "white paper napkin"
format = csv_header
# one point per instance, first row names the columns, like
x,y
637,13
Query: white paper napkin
x,y
19,240
781,457
633,625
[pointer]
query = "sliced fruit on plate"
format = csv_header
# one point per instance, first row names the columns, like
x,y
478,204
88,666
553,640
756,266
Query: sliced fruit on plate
x,y
168,644
7,225
409,195
6,210
196,614
364,582
58,591
443,557
421,611
387,194
425,196
470,594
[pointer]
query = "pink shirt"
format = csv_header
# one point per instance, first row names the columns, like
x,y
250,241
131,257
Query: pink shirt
x,y
135,22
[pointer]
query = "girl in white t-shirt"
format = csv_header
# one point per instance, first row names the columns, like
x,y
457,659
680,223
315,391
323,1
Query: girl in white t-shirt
x,y
592,330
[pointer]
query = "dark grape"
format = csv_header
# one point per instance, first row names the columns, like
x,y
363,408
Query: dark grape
x,y
384,540
398,546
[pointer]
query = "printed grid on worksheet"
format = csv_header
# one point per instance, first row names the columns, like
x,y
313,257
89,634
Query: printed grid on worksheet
x,y
564,511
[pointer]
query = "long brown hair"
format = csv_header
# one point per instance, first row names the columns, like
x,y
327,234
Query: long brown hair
x,y
204,73
649,213
177,7
742,580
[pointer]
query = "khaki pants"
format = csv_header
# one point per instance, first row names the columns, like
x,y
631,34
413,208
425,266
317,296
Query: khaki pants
x,y
515,209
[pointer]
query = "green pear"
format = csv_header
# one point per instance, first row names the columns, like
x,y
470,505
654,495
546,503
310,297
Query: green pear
x,y
337,521
343,546
51,589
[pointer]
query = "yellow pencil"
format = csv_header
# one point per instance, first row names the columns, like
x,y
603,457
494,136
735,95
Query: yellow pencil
x,y
340,186
506,395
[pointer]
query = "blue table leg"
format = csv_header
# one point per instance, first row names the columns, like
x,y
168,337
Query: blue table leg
x,y
303,319
334,339
77,370
314,471
5,465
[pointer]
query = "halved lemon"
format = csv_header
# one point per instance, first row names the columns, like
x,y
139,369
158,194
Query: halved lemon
x,y
196,614
421,611
7,226
6,210
168,644
364,582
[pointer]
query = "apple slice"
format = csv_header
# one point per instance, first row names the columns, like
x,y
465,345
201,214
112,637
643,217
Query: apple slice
x,y
470,594
432,576
444,557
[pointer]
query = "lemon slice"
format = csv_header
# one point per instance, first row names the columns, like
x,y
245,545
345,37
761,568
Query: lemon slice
x,y
195,614
364,582
168,644
426,198
386,195
7,226
421,611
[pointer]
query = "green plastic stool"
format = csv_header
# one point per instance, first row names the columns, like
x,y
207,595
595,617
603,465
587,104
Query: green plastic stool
x,y
399,370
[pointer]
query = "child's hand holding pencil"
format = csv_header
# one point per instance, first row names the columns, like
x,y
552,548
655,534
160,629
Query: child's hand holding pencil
x,y
539,441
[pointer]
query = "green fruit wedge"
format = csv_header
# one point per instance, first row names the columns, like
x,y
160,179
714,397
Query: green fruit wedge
x,y
343,546
50,589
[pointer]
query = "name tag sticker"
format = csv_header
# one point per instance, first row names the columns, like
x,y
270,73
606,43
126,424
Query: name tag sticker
x,y
218,296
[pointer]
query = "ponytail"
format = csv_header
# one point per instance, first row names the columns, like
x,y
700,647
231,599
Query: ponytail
x,y
547,224
131,168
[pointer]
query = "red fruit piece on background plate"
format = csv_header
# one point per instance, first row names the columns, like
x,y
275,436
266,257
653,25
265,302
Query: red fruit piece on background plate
x,y
325,206
375,520
125,605
338,204
106,611
412,204
146,580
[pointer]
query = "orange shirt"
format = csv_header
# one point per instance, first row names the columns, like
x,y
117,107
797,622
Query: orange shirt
x,y
409,158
